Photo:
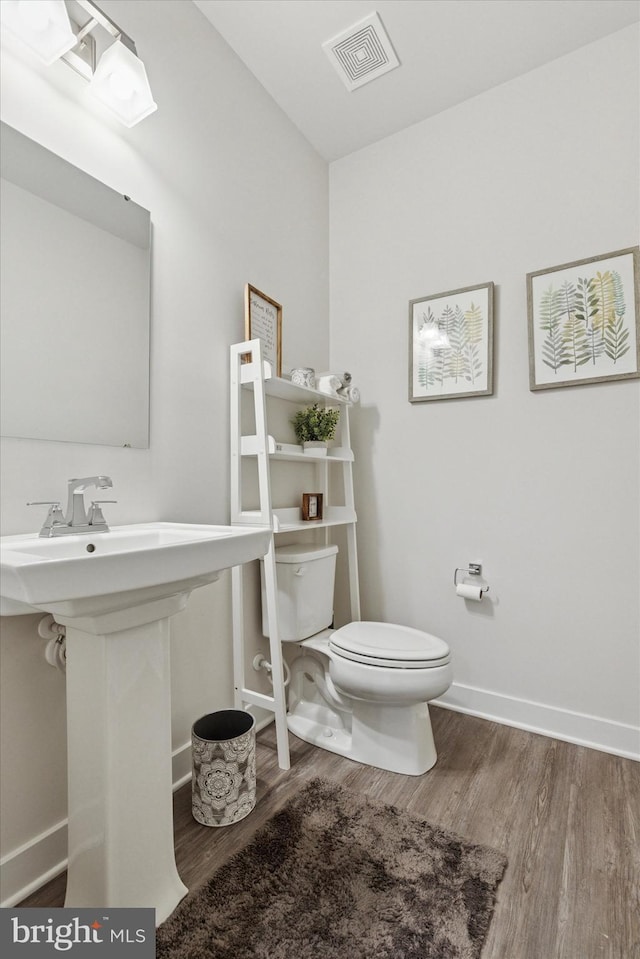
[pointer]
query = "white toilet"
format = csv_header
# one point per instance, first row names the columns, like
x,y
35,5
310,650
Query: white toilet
x,y
362,690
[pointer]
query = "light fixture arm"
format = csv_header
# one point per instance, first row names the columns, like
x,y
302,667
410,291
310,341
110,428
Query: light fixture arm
x,y
83,32
98,16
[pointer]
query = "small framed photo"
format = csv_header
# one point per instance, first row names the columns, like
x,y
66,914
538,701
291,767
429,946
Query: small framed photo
x,y
311,506
263,321
451,344
584,321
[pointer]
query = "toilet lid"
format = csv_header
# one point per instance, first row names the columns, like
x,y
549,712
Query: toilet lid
x,y
384,644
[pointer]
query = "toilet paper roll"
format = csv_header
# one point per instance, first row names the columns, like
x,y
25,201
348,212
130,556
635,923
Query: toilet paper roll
x,y
469,592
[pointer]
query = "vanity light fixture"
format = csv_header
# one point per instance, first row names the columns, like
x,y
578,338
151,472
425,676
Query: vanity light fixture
x,y
43,25
119,80
120,83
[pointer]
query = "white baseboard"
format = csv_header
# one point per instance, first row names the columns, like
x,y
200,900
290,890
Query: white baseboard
x,y
33,864
44,857
581,729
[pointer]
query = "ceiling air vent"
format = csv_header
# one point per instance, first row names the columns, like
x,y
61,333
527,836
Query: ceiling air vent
x,y
361,53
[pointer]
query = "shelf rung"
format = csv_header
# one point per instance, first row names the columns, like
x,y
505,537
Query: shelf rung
x,y
249,517
249,372
286,390
258,699
290,518
250,446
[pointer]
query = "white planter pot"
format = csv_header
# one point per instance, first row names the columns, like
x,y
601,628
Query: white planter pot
x,y
315,447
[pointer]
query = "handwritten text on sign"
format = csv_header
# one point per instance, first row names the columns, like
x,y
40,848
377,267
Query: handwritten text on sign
x,y
264,327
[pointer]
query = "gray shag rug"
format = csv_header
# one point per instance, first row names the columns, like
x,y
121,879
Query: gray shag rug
x,y
334,875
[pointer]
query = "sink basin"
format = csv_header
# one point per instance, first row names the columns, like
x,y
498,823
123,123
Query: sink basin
x,y
115,593
84,575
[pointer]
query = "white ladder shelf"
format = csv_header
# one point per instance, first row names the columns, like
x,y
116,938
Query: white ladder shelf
x,y
251,375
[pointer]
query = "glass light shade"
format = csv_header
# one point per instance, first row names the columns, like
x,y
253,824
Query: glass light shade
x,y
43,25
120,83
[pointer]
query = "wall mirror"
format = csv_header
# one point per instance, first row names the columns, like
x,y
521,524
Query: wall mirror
x,y
74,302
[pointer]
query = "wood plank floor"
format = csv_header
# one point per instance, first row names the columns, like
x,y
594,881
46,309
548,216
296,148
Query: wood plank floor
x,y
567,817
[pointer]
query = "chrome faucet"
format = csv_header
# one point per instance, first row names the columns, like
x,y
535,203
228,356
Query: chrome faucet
x,y
76,513
77,519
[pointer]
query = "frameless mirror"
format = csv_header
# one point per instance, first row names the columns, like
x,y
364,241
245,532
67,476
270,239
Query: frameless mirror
x,y
74,307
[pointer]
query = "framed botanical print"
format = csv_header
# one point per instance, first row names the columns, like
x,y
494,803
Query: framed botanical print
x,y
584,321
451,344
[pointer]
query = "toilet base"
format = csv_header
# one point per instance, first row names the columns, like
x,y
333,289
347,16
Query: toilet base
x,y
396,738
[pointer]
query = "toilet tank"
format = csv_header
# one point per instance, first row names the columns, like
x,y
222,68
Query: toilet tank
x,y
306,577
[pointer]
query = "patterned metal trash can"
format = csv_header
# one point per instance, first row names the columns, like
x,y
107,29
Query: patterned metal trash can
x,y
223,781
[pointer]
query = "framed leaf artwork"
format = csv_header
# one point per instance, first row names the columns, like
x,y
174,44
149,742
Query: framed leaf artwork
x,y
451,344
584,321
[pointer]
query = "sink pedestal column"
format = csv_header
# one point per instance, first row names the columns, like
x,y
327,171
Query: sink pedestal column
x,y
121,848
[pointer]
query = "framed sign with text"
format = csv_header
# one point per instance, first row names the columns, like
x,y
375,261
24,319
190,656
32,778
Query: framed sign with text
x,y
263,321
312,506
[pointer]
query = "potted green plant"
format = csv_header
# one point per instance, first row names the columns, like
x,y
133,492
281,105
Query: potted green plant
x,y
315,426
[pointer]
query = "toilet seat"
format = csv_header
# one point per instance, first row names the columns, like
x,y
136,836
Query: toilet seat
x,y
385,644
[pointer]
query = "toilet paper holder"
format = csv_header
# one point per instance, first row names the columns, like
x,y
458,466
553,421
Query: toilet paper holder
x,y
473,569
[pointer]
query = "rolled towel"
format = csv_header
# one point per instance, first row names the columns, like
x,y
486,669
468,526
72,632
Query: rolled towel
x,y
328,383
351,393
345,378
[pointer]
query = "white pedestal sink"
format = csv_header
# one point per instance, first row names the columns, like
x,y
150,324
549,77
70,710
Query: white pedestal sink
x,y
115,592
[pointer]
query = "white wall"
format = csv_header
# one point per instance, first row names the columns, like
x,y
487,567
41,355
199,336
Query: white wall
x,y
538,172
236,195
542,488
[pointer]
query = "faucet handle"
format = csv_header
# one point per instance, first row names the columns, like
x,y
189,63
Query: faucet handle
x,y
96,517
55,516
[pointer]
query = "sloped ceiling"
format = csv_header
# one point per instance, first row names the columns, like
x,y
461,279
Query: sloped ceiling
x,y
449,51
